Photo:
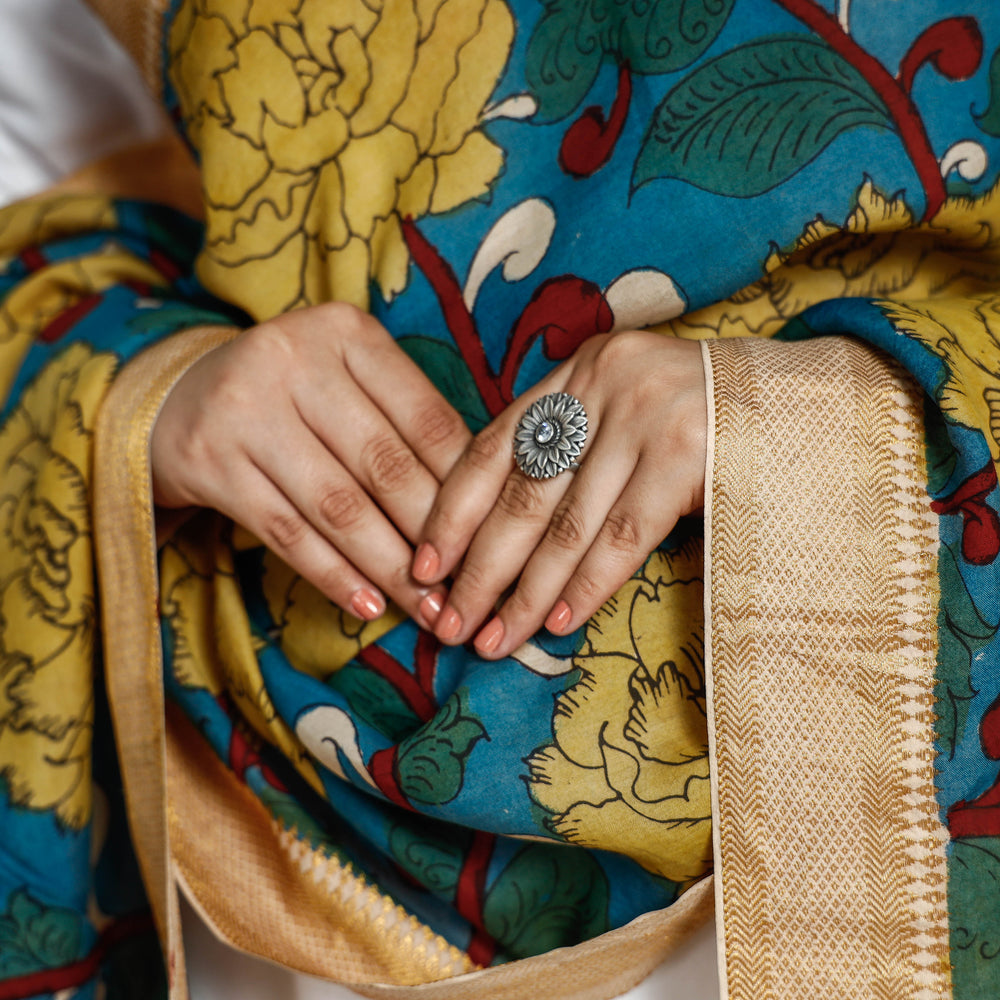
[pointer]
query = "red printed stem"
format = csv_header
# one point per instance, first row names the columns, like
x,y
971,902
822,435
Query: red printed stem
x,y
457,317
897,100
401,679
426,658
67,977
469,895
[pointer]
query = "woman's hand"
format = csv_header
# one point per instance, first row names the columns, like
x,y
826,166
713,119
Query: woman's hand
x,y
319,435
571,541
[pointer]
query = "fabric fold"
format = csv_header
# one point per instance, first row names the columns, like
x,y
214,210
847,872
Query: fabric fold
x,y
126,562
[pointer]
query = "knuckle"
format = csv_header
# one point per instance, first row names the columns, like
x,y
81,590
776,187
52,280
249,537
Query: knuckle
x,y
487,447
349,320
398,580
333,581
341,507
622,532
617,349
587,588
271,342
521,499
566,530
474,578
442,523
521,603
436,424
390,464
283,532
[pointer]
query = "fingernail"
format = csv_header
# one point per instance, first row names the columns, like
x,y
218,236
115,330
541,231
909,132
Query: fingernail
x,y
449,624
367,604
430,607
559,618
426,562
490,636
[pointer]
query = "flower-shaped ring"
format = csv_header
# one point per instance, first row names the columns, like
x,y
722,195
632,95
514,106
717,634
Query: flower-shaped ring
x,y
550,435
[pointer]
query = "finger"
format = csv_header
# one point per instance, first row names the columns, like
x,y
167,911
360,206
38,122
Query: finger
x,y
641,518
471,490
262,508
431,427
575,524
465,499
374,453
497,554
329,499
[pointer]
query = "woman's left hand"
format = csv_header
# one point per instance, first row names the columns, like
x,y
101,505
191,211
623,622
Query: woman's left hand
x,y
569,542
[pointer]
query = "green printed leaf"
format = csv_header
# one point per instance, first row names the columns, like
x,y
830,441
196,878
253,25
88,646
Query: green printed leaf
x,y
375,700
33,936
436,863
446,369
546,898
432,762
748,120
574,37
973,891
989,121
961,634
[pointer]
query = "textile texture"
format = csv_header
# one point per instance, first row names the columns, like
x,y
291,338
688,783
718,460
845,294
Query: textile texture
x,y
799,690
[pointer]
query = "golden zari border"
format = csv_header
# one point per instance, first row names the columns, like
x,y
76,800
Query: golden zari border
x,y
821,596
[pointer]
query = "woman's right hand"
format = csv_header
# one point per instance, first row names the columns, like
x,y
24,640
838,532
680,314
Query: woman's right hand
x,y
319,435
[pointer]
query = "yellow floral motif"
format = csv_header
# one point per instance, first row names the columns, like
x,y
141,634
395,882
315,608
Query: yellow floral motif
x,y
371,115
880,250
213,646
316,636
47,605
629,768
965,333
41,296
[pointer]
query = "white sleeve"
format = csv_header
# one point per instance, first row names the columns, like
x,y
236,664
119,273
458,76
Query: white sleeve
x,y
68,94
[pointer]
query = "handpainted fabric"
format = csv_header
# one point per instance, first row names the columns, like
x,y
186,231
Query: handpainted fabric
x,y
800,690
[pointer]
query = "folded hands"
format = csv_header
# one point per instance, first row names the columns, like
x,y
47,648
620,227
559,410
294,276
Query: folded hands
x,y
319,435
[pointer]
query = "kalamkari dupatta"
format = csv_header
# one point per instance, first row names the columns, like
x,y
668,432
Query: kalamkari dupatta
x,y
845,685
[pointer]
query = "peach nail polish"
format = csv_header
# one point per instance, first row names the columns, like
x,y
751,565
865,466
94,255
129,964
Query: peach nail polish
x,y
430,608
490,636
559,618
367,604
426,562
449,624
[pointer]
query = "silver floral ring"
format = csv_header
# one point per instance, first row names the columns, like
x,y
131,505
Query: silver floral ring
x,y
550,435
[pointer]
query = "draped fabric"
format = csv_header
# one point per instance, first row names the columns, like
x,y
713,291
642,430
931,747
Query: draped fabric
x,y
800,690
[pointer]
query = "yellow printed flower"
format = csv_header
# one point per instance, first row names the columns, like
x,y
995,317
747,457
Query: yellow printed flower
x,y
317,637
629,769
880,250
47,606
322,126
34,302
964,331
212,644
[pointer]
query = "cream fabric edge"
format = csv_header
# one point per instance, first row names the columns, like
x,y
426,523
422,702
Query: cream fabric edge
x,y
720,914
821,612
124,536
124,542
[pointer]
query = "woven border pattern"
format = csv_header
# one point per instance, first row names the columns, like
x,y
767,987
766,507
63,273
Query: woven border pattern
x,y
822,644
